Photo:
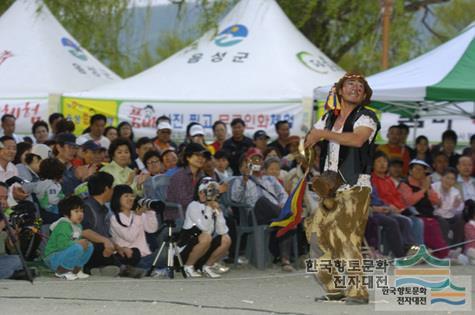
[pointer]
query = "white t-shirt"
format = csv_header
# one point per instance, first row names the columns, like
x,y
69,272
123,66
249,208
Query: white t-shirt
x,y
331,163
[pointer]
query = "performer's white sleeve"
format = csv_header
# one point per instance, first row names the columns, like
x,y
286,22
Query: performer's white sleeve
x,y
320,124
366,121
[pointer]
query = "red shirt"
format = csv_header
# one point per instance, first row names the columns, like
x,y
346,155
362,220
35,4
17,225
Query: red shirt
x,y
387,191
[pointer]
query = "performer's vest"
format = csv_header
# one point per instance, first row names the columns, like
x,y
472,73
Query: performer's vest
x,y
352,161
423,206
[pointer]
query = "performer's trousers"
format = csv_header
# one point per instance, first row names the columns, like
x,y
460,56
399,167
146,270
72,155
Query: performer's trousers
x,y
340,233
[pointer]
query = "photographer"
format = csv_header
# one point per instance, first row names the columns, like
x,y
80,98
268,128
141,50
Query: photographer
x,y
10,265
204,218
265,196
128,226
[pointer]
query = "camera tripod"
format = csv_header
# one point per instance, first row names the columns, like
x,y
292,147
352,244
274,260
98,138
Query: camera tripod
x,y
172,251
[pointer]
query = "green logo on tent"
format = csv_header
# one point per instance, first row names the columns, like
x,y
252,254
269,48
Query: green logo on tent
x,y
318,64
73,48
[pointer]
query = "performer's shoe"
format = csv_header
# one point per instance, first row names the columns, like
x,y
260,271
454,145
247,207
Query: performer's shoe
x,y
356,301
338,296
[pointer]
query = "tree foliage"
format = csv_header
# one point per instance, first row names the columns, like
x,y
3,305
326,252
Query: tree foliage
x,y
347,31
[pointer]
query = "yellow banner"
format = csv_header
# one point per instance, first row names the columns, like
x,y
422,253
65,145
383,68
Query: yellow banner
x,y
80,111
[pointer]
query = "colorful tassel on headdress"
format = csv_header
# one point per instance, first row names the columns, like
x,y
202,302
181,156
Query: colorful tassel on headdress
x,y
332,102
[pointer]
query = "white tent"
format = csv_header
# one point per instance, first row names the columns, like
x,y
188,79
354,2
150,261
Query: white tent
x,y
257,65
38,57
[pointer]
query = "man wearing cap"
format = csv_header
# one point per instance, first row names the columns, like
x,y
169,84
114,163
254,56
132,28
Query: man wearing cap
x,y
97,124
65,150
89,155
260,140
237,144
163,140
346,134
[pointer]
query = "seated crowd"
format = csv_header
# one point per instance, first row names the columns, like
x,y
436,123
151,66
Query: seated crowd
x,y
79,196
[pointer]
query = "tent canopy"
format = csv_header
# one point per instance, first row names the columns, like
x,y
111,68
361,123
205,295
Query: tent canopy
x,y
38,56
255,57
257,54
429,82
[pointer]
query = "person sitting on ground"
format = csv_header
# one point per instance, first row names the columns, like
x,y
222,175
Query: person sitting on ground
x,y
108,258
449,212
48,191
67,251
128,227
10,265
204,218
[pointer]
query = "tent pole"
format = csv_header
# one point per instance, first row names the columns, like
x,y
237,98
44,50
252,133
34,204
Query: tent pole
x,y
416,116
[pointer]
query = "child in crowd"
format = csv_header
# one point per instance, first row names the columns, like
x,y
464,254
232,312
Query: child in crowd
x,y
272,168
449,212
48,191
66,251
470,230
288,162
222,165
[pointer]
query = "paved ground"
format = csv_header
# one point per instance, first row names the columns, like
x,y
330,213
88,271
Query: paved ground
x,y
242,291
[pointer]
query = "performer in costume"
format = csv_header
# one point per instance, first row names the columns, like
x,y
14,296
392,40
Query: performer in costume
x,y
346,134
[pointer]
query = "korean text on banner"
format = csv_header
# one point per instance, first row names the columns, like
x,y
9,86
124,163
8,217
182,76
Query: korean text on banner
x,y
26,111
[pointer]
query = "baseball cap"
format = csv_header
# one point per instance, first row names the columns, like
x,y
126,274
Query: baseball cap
x,y
252,152
193,148
90,145
420,162
66,138
196,130
164,125
42,150
260,134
